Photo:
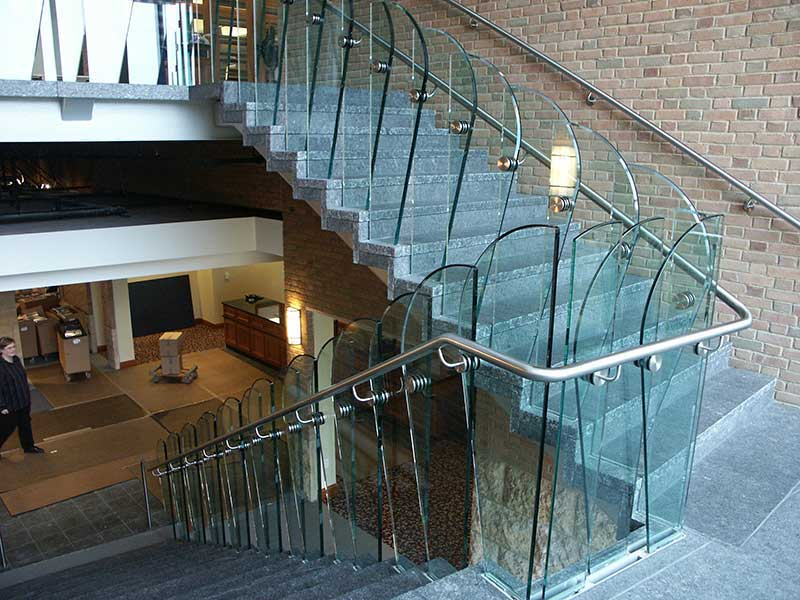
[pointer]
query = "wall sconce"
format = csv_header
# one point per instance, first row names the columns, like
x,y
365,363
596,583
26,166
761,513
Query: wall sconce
x,y
563,175
293,326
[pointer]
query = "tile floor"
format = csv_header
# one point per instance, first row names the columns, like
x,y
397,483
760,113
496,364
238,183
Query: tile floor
x,y
97,517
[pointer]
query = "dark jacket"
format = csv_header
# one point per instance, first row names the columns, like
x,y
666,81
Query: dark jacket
x,y
15,393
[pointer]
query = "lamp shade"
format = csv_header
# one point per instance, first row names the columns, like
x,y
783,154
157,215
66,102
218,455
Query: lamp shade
x,y
293,327
563,171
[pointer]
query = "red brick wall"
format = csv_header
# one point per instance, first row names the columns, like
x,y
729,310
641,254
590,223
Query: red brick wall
x,y
721,76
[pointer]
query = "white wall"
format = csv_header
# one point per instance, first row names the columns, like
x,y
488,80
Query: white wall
x,y
62,257
122,316
39,120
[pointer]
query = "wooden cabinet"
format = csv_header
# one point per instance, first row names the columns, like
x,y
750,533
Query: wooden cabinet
x,y
255,336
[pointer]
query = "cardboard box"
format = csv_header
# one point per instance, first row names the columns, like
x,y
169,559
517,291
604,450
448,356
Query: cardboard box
x,y
170,343
28,345
171,365
47,335
73,354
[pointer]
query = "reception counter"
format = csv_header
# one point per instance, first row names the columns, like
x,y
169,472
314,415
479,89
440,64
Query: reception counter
x,y
256,329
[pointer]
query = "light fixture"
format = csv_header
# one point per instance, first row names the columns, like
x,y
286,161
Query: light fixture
x,y
293,329
563,176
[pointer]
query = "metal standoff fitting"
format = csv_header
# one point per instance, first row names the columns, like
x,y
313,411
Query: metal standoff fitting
x,y
459,127
598,378
684,300
295,427
345,41
560,204
417,96
704,349
506,163
749,205
651,363
314,19
378,66
473,24
625,250
591,99
416,382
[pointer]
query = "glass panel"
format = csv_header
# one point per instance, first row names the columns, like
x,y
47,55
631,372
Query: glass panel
x,y
257,403
549,176
191,484
360,494
162,453
177,489
211,481
264,52
399,63
237,525
304,499
437,422
679,302
605,172
659,196
437,182
507,414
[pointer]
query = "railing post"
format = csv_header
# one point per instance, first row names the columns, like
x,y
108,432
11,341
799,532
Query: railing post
x,y
3,552
146,495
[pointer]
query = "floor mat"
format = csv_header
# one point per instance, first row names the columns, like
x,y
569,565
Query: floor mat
x,y
88,415
79,451
64,487
174,420
38,402
50,382
195,339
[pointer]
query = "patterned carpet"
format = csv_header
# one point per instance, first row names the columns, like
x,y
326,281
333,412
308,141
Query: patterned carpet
x,y
445,506
196,338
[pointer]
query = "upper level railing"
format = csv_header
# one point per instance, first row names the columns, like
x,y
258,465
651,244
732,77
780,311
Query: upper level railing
x,y
597,93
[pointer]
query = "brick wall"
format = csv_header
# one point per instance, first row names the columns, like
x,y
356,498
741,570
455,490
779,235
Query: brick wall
x,y
723,77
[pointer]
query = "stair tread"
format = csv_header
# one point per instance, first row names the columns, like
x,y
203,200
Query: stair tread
x,y
462,585
387,588
346,580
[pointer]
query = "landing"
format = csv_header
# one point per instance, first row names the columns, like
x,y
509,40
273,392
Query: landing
x,y
742,523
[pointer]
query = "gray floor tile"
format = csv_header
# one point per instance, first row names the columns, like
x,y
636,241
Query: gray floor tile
x,y
23,555
737,486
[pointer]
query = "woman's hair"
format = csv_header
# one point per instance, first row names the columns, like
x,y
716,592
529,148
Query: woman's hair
x,y
6,341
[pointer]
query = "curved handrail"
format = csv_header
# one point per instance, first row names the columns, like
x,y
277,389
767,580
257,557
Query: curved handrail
x,y
629,112
517,367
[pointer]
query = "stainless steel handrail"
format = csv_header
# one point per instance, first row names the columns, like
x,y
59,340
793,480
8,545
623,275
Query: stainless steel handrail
x,y
647,124
473,349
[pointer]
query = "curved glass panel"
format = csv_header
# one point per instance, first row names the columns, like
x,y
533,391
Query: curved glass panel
x,y
549,175
661,197
191,484
606,174
237,529
162,453
258,402
361,494
211,481
177,489
302,502
437,416
680,302
492,141
435,183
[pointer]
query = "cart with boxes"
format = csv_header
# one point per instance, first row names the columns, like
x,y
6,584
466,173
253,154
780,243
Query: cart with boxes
x,y
171,368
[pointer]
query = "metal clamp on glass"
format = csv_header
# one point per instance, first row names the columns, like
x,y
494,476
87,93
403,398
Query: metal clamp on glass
x,y
239,446
317,418
651,363
314,19
467,363
598,378
378,66
346,41
704,349
269,436
381,397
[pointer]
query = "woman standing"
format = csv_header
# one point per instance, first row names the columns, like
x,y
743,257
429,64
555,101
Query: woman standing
x,y
15,398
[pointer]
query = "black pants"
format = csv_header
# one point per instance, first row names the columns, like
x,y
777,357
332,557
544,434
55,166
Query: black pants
x,y
21,421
